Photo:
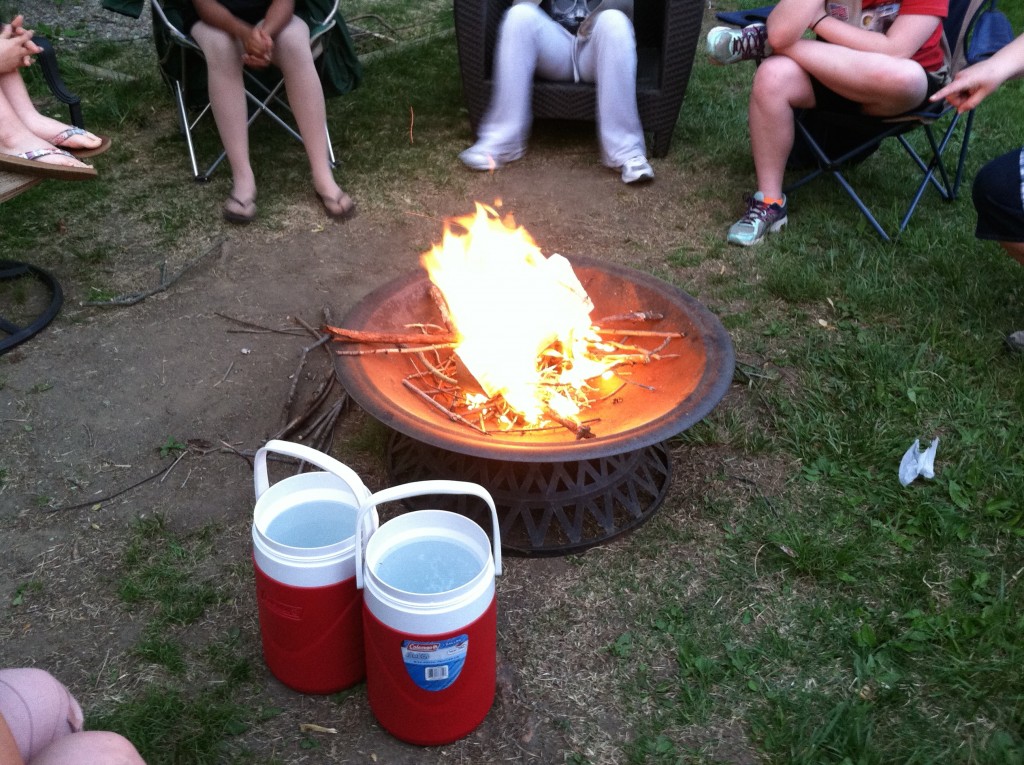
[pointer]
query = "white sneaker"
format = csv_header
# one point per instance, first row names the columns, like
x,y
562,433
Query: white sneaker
x,y
483,161
637,169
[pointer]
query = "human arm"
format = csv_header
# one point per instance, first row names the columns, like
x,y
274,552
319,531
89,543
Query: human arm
x,y
902,39
789,19
971,85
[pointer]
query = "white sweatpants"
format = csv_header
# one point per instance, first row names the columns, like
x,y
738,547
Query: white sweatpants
x,y
531,43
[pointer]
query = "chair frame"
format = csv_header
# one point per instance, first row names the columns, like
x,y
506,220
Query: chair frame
x,y
259,96
667,33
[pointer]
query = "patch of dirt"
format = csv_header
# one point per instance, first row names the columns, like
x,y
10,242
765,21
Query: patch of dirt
x,y
86,406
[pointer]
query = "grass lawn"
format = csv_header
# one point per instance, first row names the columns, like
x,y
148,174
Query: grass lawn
x,y
827,614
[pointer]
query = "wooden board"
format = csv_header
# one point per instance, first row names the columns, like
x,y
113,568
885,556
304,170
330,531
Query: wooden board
x,y
12,184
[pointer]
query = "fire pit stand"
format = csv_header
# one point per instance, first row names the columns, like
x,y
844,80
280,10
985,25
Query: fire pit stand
x,y
555,493
546,508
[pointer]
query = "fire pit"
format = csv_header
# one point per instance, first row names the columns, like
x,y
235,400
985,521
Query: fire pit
x,y
556,492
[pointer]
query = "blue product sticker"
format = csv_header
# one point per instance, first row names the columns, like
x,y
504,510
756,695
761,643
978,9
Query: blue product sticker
x,y
435,664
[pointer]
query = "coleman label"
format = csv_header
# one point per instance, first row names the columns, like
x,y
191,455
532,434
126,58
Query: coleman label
x,y
434,665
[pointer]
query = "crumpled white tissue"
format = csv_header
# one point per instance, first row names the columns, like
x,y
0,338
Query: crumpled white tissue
x,y
916,462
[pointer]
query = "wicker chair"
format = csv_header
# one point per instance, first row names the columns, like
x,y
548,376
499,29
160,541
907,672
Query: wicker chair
x,y
666,34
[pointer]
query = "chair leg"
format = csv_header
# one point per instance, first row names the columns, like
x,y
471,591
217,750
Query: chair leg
x,y
964,144
946,190
186,128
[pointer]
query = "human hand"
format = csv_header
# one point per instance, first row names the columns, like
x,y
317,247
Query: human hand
x,y
970,87
16,46
259,47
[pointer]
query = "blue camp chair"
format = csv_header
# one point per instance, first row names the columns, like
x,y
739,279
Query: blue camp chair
x,y
817,129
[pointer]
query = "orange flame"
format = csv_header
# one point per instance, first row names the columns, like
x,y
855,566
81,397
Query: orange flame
x,y
513,309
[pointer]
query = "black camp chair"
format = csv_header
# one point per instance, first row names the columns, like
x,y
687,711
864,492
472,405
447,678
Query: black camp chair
x,y
823,137
188,79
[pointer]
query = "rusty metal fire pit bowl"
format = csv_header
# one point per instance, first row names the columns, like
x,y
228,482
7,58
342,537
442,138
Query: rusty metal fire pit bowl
x,y
555,493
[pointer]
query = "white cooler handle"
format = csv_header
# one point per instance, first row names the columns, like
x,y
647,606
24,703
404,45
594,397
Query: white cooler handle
x,y
313,457
415,489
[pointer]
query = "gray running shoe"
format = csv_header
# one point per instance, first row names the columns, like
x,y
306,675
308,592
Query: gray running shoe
x,y
759,221
727,45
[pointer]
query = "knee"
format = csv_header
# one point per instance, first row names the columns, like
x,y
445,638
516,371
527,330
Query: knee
x,y
294,37
522,18
90,746
614,27
773,81
219,48
44,697
904,79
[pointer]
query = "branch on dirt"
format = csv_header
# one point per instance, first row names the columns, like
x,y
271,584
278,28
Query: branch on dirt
x,y
138,297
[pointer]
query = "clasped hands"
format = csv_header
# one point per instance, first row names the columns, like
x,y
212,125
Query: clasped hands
x,y
16,46
259,47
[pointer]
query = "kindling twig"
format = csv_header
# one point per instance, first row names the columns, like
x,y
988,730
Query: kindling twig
x,y
447,412
138,297
385,351
254,327
319,397
637,333
367,336
634,316
581,431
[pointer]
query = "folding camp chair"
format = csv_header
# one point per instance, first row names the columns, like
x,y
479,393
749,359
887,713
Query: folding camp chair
x,y
818,128
264,92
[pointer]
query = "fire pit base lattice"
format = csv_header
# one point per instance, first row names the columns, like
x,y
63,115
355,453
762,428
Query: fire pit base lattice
x,y
546,508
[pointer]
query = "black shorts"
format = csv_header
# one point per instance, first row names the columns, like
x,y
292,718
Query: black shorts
x,y
831,101
999,198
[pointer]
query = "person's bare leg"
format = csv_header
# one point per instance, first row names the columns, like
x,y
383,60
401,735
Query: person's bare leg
x,y
780,87
227,99
293,56
885,85
43,127
90,748
1015,250
16,138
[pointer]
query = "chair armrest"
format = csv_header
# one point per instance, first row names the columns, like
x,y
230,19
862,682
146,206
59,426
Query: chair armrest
x,y
47,59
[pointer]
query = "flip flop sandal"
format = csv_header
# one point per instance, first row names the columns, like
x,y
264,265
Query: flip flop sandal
x,y
334,208
28,163
82,152
239,218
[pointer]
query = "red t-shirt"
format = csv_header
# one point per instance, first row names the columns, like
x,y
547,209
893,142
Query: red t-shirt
x,y
929,55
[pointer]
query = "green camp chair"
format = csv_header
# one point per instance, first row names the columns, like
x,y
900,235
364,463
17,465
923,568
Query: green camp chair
x,y
184,68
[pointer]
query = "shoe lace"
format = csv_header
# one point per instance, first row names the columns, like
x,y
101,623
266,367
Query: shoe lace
x,y
749,43
756,211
